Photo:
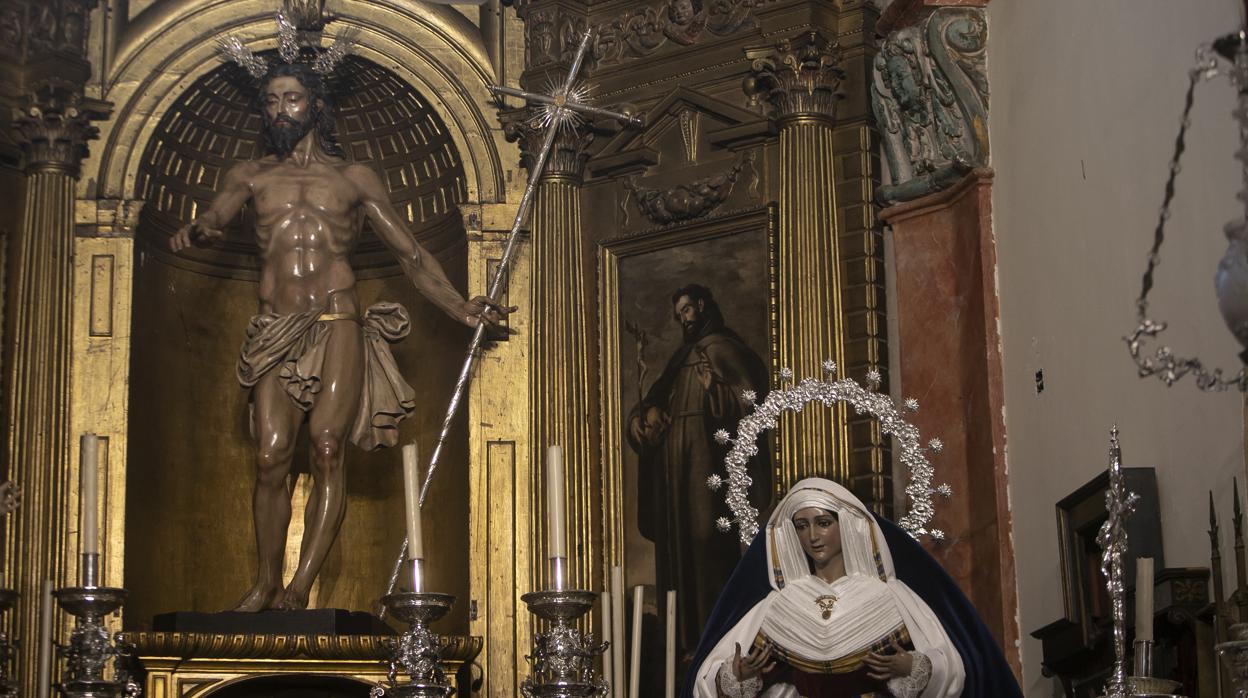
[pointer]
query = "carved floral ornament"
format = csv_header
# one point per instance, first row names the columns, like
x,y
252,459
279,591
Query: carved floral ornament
x,y
930,97
636,33
34,28
801,77
53,138
688,201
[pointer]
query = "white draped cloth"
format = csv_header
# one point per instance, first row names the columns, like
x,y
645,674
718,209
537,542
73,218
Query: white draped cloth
x,y
822,627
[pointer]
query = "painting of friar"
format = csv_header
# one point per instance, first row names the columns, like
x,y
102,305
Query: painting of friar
x,y
708,372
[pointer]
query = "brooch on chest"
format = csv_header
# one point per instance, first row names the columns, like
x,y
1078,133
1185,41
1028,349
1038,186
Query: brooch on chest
x,y
826,603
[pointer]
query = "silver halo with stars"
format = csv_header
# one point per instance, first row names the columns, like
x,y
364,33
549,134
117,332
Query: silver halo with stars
x,y
794,397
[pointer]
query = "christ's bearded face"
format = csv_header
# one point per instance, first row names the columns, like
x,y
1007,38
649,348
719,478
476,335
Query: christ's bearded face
x,y
689,315
289,113
820,534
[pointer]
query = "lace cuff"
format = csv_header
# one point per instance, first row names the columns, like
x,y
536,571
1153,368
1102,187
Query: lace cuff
x,y
731,687
911,686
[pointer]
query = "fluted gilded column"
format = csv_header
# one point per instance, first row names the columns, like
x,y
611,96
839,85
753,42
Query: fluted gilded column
x,y
800,80
561,365
39,443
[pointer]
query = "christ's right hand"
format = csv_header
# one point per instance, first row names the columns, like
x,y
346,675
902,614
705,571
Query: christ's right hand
x,y
194,233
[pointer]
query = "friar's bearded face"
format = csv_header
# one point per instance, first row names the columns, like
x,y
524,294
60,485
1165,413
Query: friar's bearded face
x,y
289,114
689,315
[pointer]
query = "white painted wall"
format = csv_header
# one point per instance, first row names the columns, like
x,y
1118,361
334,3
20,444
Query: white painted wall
x,y
1086,99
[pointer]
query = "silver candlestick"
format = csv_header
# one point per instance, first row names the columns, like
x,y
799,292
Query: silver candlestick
x,y
418,651
91,647
563,657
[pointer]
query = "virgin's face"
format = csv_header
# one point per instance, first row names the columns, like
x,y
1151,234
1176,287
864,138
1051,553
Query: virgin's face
x,y
820,534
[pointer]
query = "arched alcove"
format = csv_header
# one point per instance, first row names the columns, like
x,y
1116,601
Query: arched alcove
x,y
189,542
381,120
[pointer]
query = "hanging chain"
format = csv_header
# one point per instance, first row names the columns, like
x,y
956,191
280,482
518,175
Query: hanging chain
x,y
1163,364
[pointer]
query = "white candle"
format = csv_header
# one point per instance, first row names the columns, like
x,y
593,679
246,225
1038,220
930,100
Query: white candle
x,y
1144,599
670,665
411,485
634,667
45,641
88,493
556,516
617,630
608,660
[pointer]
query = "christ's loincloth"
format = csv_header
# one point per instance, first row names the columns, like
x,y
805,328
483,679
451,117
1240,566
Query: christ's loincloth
x,y
295,345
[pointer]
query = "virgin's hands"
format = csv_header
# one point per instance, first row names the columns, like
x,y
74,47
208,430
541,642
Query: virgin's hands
x,y
883,667
753,664
194,233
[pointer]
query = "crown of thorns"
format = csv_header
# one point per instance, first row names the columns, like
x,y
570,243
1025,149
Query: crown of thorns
x,y
290,46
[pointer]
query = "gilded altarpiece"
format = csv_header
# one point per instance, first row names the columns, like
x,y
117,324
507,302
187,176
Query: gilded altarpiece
x,y
760,169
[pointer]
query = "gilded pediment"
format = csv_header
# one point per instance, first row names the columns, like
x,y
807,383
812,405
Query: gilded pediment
x,y
684,124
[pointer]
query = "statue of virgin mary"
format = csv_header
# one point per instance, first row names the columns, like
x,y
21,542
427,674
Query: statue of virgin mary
x,y
830,601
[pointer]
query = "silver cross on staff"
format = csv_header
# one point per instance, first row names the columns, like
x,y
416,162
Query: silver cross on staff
x,y
562,108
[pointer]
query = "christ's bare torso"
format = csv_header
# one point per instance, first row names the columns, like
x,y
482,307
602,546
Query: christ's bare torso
x,y
307,222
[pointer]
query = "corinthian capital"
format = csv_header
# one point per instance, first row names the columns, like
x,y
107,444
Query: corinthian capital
x,y
53,139
569,153
799,77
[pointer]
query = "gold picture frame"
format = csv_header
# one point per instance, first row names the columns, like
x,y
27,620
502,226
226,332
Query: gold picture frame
x,y
637,274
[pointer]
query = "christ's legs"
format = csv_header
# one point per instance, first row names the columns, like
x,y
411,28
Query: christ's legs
x,y
329,425
277,421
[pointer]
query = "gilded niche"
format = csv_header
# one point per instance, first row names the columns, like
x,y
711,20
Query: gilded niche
x,y
930,97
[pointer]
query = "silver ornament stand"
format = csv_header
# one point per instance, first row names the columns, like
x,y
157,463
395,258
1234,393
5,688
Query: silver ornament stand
x,y
563,657
1120,504
91,647
418,651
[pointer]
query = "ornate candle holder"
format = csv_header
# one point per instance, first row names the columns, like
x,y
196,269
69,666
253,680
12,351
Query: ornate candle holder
x,y
563,657
418,650
8,682
91,647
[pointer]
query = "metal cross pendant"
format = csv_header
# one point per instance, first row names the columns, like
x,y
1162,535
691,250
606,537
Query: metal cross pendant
x,y
564,107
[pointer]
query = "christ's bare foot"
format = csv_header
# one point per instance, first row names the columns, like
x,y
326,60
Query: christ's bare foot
x,y
259,598
291,600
